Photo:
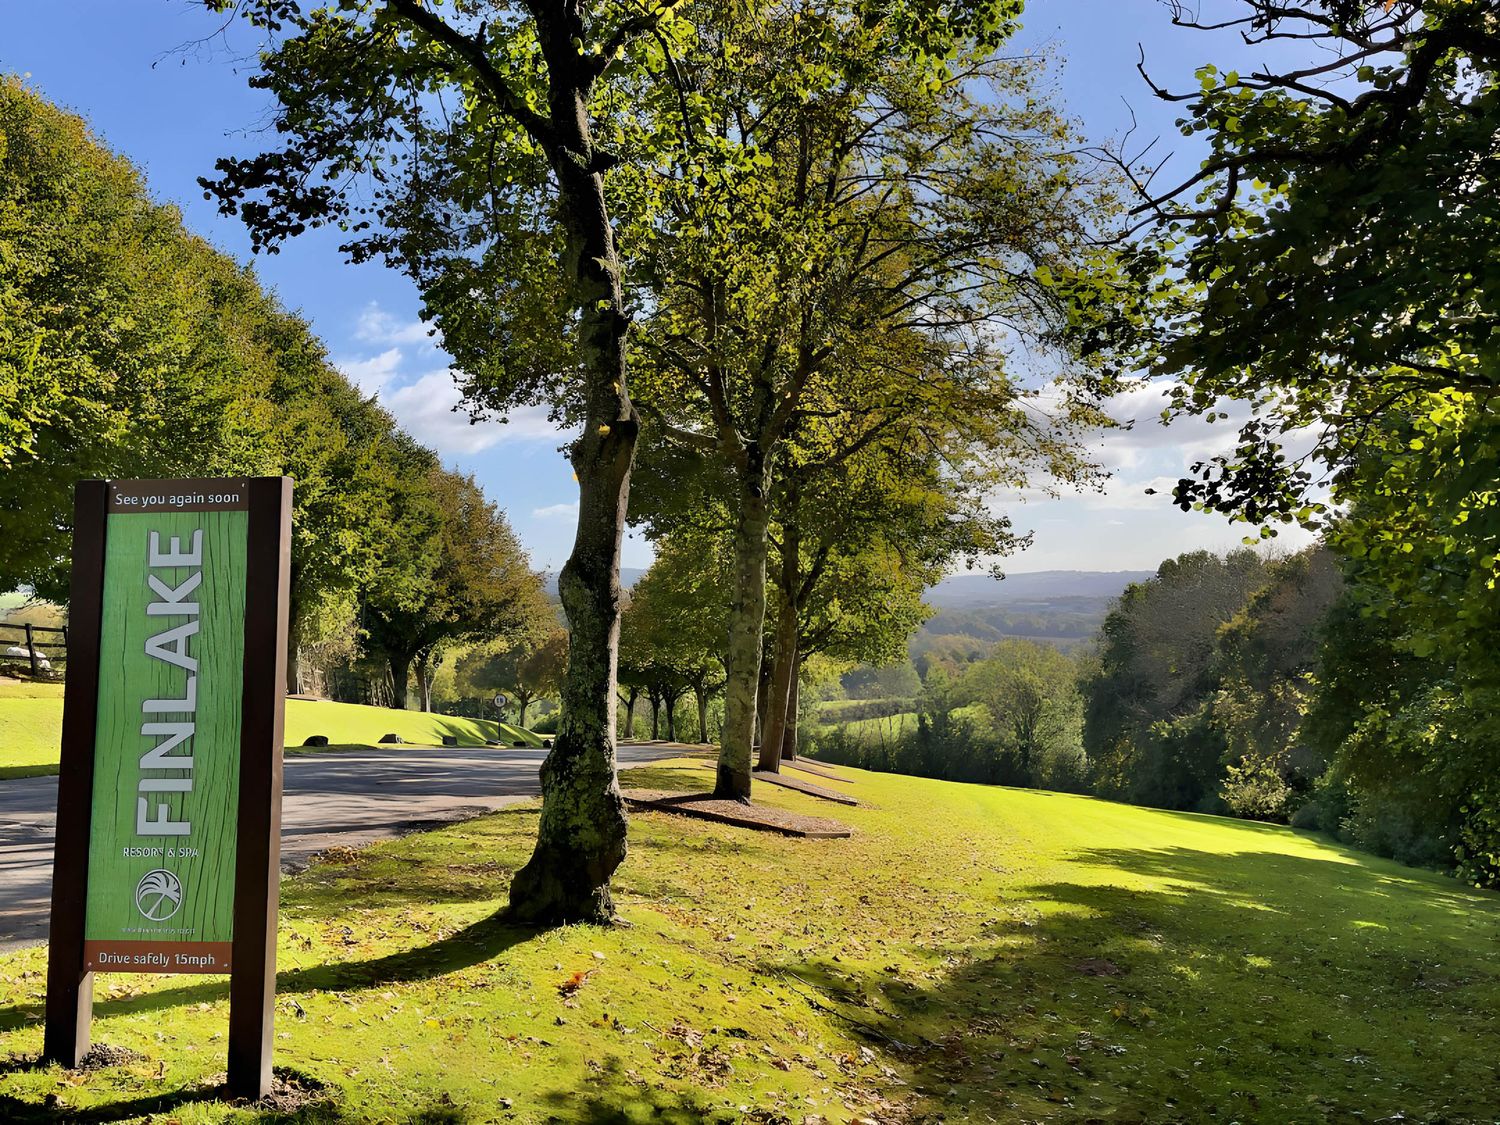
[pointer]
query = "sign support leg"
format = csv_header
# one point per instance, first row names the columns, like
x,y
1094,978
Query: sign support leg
x,y
252,982
70,990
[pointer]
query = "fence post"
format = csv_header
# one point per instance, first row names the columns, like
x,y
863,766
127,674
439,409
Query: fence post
x,y
31,652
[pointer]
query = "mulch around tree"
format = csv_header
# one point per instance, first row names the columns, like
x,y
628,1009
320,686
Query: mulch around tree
x,y
807,765
798,784
761,818
818,791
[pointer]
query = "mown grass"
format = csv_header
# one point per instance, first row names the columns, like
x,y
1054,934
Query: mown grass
x,y
31,727
890,727
977,953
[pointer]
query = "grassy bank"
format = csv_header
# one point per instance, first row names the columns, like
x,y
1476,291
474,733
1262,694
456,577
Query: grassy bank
x,y
31,726
983,953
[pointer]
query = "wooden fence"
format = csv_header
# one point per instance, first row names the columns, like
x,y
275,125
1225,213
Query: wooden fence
x,y
30,645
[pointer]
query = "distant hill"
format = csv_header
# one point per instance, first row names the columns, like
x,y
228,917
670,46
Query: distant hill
x,y
1057,607
964,591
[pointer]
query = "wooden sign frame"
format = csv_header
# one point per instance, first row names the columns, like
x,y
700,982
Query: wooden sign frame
x,y
257,873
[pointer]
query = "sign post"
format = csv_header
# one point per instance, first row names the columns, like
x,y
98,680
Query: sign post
x,y
169,794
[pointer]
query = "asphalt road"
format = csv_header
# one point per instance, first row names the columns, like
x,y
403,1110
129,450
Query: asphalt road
x,y
344,797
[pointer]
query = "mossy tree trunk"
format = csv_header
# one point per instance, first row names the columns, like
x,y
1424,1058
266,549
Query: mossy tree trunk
x,y
400,663
747,614
793,715
424,682
630,711
783,664
581,837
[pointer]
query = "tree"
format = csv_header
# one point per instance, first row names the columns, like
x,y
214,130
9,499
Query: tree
x,y
529,668
1321,266
477,131
114,359
673,629
477,583
484,136
130,348
858,541
837,264
1267,666
1155,667
1027,688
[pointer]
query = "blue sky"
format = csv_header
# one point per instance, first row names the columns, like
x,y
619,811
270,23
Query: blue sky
x,y
158,85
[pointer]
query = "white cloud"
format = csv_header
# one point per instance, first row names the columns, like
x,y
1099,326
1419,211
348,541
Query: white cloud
x,y
556,511
429,410
376,326
432,411
373,374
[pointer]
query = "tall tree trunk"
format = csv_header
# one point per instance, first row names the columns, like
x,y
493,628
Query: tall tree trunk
x,y
294,646
524,702
700,695
783,663
400,671
747,618
630,713
672,717
424,683
793,714
762,696
655,717
581,836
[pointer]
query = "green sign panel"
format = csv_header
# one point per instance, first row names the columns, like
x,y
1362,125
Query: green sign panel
x,y
162,836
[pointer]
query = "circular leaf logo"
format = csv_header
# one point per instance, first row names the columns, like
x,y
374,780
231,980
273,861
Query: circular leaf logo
x,y
158,895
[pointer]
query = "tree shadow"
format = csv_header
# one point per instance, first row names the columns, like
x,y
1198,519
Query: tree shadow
x,y
1252,986
314,1103
482,941
614,1098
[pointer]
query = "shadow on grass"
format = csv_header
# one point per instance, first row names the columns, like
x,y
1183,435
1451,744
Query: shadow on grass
x,y
613,1098
306,1102
1253,986
472,945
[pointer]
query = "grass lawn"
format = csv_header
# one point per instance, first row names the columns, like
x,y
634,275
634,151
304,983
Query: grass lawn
x,y
971,954
885,728
890,727
31,727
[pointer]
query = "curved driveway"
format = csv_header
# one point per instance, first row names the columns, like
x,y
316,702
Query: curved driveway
x,y
342,797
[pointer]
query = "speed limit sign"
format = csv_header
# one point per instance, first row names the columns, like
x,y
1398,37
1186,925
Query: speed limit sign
x,y
500,702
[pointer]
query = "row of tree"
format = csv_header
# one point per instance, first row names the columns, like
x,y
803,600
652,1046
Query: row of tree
x,y
803,237
1330,264
129,347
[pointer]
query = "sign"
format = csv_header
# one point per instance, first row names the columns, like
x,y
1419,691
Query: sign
x,y
500,702
170,784
162,843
